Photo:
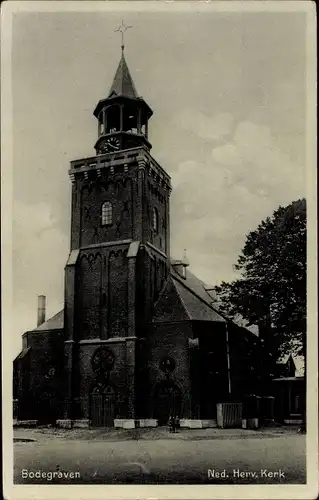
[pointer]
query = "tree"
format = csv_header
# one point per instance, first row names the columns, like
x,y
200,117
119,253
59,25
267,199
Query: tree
x,y
271,289
272,283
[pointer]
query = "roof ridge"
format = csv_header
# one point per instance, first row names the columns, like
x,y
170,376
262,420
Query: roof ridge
x,y
182,301
161,293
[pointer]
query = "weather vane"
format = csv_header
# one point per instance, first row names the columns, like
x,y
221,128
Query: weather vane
x,y
122,28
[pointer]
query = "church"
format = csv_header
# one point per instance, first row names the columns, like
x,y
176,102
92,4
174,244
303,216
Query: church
x,y
138,339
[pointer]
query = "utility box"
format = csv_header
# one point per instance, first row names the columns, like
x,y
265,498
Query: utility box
x,y
229,415
251,406
267,409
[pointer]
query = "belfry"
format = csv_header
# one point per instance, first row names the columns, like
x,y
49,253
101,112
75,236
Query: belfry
x,y
138,339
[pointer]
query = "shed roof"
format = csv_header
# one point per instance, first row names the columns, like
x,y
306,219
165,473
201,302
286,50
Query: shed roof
x,y
22,354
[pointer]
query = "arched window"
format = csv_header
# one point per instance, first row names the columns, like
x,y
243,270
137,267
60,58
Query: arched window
x,y
112,119
106,213
155,220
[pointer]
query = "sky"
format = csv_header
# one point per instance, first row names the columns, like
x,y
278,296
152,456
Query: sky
x,y
228,91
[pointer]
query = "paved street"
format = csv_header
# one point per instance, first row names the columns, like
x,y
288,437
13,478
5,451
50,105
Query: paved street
x,y
212,456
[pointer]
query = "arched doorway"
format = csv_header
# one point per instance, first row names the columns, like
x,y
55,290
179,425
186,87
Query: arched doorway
x,y
103,402
45,404
168,402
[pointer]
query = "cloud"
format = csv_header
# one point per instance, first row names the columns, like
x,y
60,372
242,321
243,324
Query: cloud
x,y
254,158
227,155
209,128
217,200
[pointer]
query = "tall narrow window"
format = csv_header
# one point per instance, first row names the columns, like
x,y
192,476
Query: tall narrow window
x,y
106,213
155,220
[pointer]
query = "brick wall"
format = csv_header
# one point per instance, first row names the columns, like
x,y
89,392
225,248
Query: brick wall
x,y
151,273
116,377
156,198
42,376
209,367
120,189
133,197
101,293
120,193
244,361
170,339
99,300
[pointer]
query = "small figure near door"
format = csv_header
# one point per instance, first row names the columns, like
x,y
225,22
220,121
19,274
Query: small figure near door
x,y
177,422
170,423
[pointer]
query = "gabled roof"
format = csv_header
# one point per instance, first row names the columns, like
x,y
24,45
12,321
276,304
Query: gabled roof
x,y
54,323
199,302
194,284
299,362
196,307
185,299
169,306
123,83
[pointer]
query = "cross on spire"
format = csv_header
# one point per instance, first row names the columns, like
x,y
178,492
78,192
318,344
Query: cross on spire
x,y
121,29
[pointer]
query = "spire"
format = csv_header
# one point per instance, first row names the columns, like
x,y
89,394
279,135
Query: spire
x,y
123,83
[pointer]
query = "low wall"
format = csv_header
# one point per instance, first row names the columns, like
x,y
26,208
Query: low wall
x,y
122,423
209,423
293,421
25,423
148,422
64,424
191,424
81,424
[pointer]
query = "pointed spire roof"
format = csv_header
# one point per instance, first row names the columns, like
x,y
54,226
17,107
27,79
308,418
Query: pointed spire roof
x,y
123,83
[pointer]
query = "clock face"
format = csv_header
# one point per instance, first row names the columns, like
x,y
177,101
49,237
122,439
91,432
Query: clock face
x,y
110,144
113,143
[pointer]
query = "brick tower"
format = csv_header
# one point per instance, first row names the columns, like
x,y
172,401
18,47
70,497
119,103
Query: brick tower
x,y
118,262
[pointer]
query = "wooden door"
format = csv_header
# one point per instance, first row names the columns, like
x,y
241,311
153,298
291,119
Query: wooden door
x,y
103,404
97,409
109,406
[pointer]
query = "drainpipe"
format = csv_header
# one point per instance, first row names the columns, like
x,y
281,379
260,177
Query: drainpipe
x,y
228,359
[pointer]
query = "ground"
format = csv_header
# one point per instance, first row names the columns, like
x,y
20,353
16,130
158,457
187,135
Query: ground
x,y
217,456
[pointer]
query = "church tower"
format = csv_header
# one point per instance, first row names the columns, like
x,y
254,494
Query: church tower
x,y
119,258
